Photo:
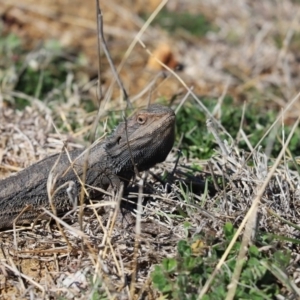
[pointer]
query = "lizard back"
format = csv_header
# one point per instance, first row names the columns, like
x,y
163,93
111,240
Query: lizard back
x,y
141,141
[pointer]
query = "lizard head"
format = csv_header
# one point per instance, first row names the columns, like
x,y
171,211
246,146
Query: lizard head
x,y
145,138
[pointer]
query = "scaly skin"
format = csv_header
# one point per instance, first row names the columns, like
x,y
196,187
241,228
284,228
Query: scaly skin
x,y
150,136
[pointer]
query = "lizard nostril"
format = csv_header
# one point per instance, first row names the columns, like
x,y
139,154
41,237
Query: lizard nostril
x,y
141,119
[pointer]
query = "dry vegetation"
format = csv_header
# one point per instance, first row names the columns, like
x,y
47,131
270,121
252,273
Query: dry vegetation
x,y
250,52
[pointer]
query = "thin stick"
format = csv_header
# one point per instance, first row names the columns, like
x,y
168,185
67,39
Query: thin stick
x,y
137,38
74,231
136,171
242,254
105,49
83,189
50,193
26,208
212,129
114,217
99,88
137,237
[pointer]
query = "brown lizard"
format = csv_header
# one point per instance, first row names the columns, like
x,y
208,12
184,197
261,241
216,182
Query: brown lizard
x,y
144,139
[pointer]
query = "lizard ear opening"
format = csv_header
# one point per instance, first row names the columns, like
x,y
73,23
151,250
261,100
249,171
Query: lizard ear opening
x,y
119,139
141,119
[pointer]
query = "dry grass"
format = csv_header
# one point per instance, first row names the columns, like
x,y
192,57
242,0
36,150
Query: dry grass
x,y
255,49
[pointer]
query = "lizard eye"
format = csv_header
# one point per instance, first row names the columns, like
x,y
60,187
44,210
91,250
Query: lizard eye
x,y
141,119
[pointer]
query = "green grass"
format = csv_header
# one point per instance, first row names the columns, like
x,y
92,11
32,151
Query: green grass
x,y
182,276
173,22
37,73
197,142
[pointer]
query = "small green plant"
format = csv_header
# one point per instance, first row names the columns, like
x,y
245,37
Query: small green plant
x,y
191,130
8,45
182,277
